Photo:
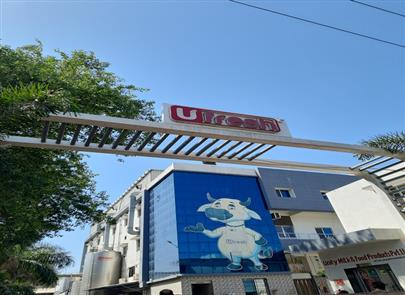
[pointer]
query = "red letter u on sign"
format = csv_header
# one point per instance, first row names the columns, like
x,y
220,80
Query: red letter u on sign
x,y
180,113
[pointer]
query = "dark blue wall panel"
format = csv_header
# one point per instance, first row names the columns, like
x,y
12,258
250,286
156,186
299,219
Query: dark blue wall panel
x,y
306,185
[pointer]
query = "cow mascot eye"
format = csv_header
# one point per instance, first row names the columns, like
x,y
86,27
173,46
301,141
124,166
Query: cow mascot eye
x,y
231,207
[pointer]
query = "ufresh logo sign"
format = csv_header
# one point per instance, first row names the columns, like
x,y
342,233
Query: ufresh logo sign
x,y
192,115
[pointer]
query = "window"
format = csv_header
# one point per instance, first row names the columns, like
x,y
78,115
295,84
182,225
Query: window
x,y
324,196
131,271
285,193
324,232
113,230
124,251
256,287
275,215
286,232
138,245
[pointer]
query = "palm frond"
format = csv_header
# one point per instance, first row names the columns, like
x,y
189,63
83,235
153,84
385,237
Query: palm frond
x,y
38,273
393,142
49,255
33,266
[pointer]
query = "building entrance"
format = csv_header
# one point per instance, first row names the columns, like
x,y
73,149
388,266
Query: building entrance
x,y
202,289
373,278
306,287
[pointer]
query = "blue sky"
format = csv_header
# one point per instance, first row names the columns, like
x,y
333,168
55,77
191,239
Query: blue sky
x,y
214,54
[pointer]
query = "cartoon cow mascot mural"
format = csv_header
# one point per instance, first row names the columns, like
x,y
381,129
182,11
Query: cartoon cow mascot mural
x,y
236,242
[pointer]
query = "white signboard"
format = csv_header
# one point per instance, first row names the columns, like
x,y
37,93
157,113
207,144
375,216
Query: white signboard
x,y
220,119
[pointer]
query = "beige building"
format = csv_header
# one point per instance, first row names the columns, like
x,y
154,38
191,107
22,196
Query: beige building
x,y
371,250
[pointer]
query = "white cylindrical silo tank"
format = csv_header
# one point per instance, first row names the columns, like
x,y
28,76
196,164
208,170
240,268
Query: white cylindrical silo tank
x,y
100,269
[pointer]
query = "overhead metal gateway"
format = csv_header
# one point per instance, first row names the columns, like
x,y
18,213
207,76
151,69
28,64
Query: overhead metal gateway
x,y
113,135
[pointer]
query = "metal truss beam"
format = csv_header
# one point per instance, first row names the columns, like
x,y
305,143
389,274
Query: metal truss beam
x,y
107,148
211,132
113,135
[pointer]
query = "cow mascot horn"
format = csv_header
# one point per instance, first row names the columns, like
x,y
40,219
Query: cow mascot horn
x,y
210,198
245,203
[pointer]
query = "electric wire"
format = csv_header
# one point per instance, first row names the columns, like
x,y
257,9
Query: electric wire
x,y
379,8
317,23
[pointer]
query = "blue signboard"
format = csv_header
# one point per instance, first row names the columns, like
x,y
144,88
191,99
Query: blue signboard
x,y
223,225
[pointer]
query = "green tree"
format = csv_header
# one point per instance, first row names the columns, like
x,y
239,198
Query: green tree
x,y
393,142
45,191
32,266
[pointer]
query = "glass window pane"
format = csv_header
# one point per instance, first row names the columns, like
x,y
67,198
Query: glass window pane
x,y
281,235
283,193
261,288
249,286
327,231
319,230
288,229
286,194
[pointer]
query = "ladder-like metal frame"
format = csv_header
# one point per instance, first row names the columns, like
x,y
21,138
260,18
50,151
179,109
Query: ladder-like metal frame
x,y
113,135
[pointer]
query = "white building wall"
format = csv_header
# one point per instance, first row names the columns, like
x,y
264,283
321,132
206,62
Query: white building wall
x,y
361,205
93,228
119,239
305,223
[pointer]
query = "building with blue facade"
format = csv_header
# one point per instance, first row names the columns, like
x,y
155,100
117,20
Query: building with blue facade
x,y
203,236
203,229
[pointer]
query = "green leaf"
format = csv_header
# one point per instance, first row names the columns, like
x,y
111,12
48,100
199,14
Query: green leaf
x,y
45,191
393,142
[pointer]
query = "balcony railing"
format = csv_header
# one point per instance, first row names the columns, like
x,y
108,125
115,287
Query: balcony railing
x,y
311,243
299,268
304,236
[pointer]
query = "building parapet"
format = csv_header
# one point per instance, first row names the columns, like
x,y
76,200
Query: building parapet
x,y
353,238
